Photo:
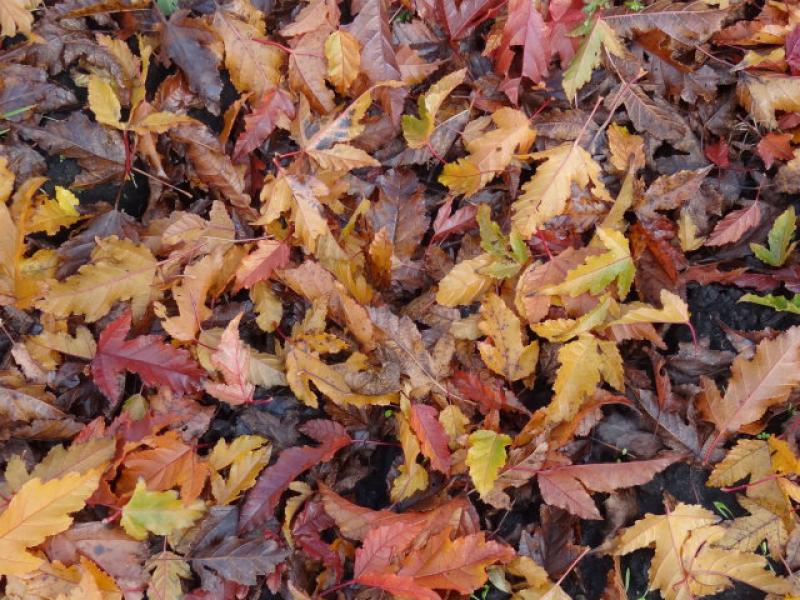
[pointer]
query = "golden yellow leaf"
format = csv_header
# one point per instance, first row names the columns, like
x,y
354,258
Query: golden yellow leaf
x,y
104,103
413,477
587,57
304,368
674,310
246,458
687,233
39,510
343,54
77,458
167,570
454,422
120,270
267,305
627,149
485,457
6,180
748,532
562,330
342,157
52,215
418,130
465,283
253,67
489,152
506,354
545,195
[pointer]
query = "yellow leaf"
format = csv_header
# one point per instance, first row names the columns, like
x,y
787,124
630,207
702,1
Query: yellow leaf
x,y
454,422
505,354
485,457
762,95
103,102
16,15
47,347
615,219
747,533
160,513
167,570
342,157
627,149
489,152
576,379
562,330
293,504
465,283
120,270
253,67
77,458
599,270
241,476
343,54
687,233
268,306
587,57
303,368
37,511
160,122
674,311
224,454
52,215
417,131
6,180
413,477
545,195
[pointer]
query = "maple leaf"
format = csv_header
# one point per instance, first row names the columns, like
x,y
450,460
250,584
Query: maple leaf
x,y
39,510
599,270
244,458
418,130
780,240
120,270
749,532
587,57
431,435
525,27
260,502
160,513
566,486
734,225
756,384
273,109
232,358
505,355
489,152
148,356
485,457
343,53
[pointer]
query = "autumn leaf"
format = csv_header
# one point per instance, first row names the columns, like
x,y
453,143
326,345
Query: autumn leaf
x,y
343,53
16,15
431,435
490,152
412,476
120,270
586,59
39,510
418,130
244,458
756,384
260,502
762,95
465,282
779,239
774,146
259,264
674,310
485,457
160,513
104,102
167,570
148,356
734,225
232,357
506,355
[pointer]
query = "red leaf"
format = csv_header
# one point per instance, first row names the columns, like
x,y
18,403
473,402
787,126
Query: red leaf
x,y
568,486
718,154
232,358
447,223
383,544
525,27
263,498
431,436
261,262
357,521
404,587
792,43
489,397
775,146
460,19
148,356
735,224
259,124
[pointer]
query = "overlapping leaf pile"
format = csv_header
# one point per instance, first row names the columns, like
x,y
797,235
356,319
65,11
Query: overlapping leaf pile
x,y
378,298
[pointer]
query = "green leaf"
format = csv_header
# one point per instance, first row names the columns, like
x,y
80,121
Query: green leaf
x,y
167,6
157,512
492,239
779,240
587,57
780,303
485,457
